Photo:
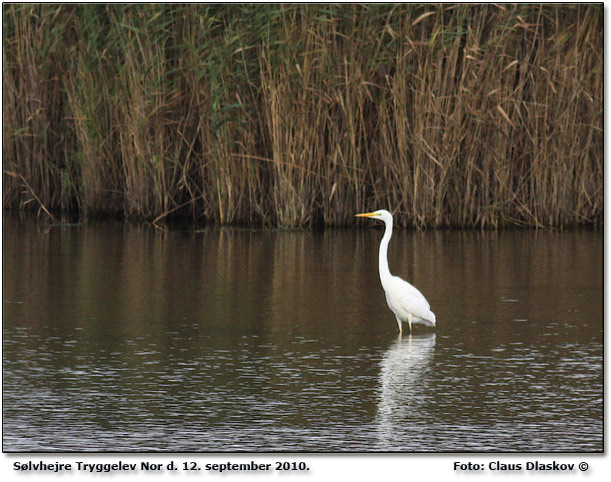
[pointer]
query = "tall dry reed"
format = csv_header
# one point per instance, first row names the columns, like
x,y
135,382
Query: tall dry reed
x,y
295,115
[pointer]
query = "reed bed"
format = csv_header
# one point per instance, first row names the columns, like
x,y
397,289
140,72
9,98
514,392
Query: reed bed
x,y
472,116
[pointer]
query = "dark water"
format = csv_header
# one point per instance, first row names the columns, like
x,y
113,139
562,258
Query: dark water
x,y
122,338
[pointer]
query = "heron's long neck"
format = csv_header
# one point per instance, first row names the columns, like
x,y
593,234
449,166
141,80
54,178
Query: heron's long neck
x,y
383,260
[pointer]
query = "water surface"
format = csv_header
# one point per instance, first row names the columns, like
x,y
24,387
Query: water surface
x,y
119,337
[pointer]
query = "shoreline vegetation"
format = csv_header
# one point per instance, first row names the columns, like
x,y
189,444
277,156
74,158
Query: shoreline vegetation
x,y
463,116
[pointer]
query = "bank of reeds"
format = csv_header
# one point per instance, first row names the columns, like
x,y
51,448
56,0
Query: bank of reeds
x,y
293,115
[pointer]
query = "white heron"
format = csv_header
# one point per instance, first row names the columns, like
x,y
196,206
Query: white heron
x,y
404,300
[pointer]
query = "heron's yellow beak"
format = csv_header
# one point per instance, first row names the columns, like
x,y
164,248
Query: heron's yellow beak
x,y
364,215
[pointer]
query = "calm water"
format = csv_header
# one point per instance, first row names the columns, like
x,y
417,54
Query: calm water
x,y
122,338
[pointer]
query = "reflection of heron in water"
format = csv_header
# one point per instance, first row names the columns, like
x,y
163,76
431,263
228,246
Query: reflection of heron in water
x,y
403,387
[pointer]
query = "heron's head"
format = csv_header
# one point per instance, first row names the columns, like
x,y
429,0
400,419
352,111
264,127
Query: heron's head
x,y
382,215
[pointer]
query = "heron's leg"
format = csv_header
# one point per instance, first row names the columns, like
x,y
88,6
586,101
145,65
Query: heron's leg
x,y
400,326
409,320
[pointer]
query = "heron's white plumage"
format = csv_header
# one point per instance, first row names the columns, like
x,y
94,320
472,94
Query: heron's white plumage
x,y
404,300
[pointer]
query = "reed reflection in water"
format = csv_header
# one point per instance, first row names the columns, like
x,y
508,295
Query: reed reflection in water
x,y
118,337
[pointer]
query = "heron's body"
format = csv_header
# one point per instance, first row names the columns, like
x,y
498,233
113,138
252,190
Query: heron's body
x,y
404,300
